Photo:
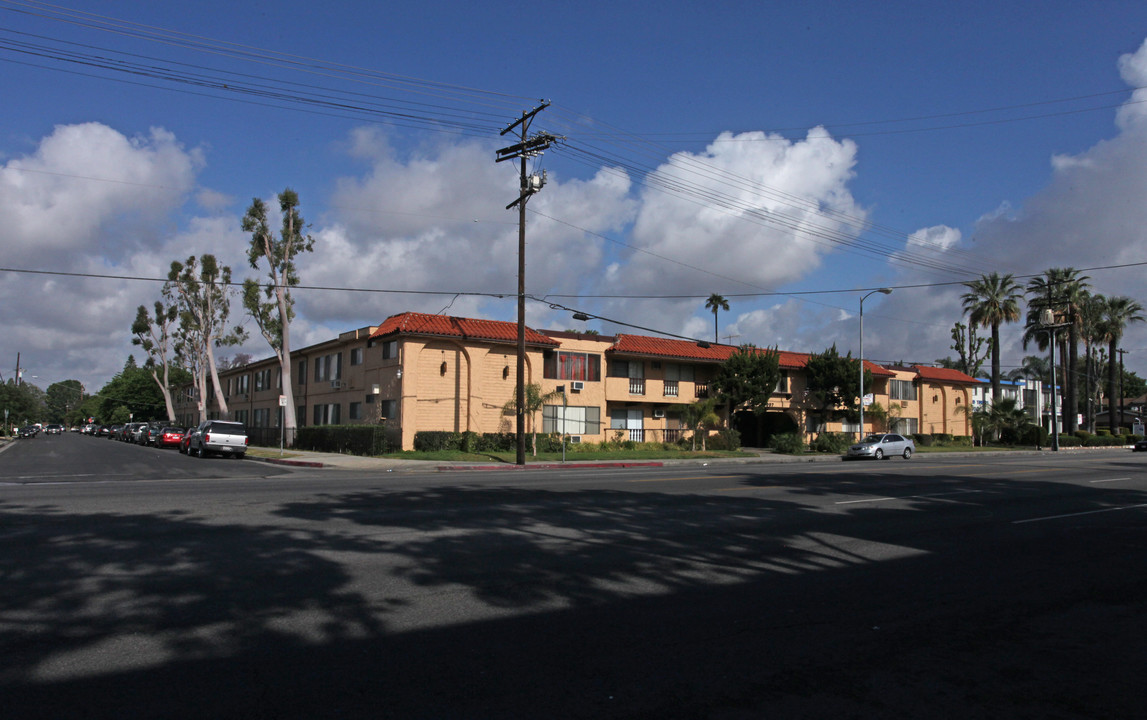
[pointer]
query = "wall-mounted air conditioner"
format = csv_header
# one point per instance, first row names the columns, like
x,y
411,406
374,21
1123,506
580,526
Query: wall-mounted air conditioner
x,y
576,386
575,439
336,384
658,413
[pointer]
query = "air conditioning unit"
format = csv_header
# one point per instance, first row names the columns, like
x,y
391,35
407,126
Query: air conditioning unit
x,y
658,413
576,386
575,439
336,384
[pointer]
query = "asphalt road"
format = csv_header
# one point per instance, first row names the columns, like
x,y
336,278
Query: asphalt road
x,y
140,583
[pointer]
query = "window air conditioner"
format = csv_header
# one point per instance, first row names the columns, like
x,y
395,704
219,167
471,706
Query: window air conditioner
x,y
336,384
576,386
575,439
658,413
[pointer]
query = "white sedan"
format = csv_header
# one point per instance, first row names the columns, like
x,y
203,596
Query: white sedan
x,y
881,446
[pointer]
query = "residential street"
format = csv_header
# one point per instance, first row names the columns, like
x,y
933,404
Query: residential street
x,y
139,583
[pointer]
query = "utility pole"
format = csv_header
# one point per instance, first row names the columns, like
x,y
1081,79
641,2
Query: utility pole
x,y
528,147
1121,352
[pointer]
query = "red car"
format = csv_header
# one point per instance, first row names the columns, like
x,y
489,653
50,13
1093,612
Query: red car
x,y
185,440
169,437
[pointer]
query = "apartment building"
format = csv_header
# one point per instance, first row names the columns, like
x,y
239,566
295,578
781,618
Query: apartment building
x,y
419,372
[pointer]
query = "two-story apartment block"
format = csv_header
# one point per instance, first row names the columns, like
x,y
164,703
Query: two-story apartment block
x,y
419,372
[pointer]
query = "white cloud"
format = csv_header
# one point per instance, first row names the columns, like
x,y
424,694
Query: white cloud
x,y
771,189
87,188
939,237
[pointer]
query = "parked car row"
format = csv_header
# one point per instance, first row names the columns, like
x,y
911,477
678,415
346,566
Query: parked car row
x,y
219,437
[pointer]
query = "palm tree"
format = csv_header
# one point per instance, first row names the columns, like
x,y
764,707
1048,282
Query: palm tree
x,y
1091,332
715,303
1118,312
1064,292
534,401
991,301
699,416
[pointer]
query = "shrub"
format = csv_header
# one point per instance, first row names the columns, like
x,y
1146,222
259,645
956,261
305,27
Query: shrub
x,y
1069,441
788,444
725,439
962,441
828,442
942,438
348,439
923,439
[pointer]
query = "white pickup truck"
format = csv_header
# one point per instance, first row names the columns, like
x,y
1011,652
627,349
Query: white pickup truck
x,y
218,436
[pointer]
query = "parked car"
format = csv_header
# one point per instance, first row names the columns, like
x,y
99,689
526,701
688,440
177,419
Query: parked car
x,y
114,432
27,432
149,434
223,437
186,440
1140,446
883,446
169,437
53,429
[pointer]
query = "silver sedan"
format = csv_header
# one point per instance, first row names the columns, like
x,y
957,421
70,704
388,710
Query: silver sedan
x,y
880,446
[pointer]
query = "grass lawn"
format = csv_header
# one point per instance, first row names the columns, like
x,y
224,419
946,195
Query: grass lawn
x,y
548,457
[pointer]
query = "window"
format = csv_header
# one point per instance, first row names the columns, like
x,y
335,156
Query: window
x,y
577,420
240,416
263,380
354,411
302,372
783,383
327,414
356,356
904,426
301,415
389,410
262,417
243,384
901,390
677,371
561,365
848,426
627,368
390,350
329,367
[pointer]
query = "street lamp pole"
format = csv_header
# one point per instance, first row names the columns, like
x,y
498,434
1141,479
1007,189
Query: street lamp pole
x,y
883,291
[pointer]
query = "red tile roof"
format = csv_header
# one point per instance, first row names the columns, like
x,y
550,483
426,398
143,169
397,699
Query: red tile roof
x,y
411,323
689,350
943,375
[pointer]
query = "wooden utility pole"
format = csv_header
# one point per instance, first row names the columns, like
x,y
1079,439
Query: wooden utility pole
x,y
530,146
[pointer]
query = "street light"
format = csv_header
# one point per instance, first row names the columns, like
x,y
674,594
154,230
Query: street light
x,y
883,291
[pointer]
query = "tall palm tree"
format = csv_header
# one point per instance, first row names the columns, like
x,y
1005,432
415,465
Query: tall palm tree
x,y
1091,332
1065,292
1118,312
715,303
990,302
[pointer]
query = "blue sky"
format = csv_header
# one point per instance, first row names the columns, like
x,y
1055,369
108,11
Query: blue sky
x,y
741,148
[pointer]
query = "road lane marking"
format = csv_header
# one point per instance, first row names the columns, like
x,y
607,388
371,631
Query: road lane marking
x,y
908,497
1078,514
1109,480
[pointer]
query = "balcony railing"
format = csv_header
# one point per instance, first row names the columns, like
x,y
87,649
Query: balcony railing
x,y
670,388
636,386
701,389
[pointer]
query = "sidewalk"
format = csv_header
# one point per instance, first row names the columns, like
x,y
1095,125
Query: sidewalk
x,y
304,458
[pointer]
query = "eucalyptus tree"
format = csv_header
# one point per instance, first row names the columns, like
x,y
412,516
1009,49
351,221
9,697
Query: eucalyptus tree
x,y
271,305
991,301
1063,291
201,290
1118,313
715,303
154,333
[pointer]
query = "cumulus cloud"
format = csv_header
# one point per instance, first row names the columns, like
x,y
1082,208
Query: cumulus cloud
x,y
88,186
751,209
424,223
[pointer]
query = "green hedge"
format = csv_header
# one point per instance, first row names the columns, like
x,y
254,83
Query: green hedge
x,y
829,442
789,444
346,439
472,442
